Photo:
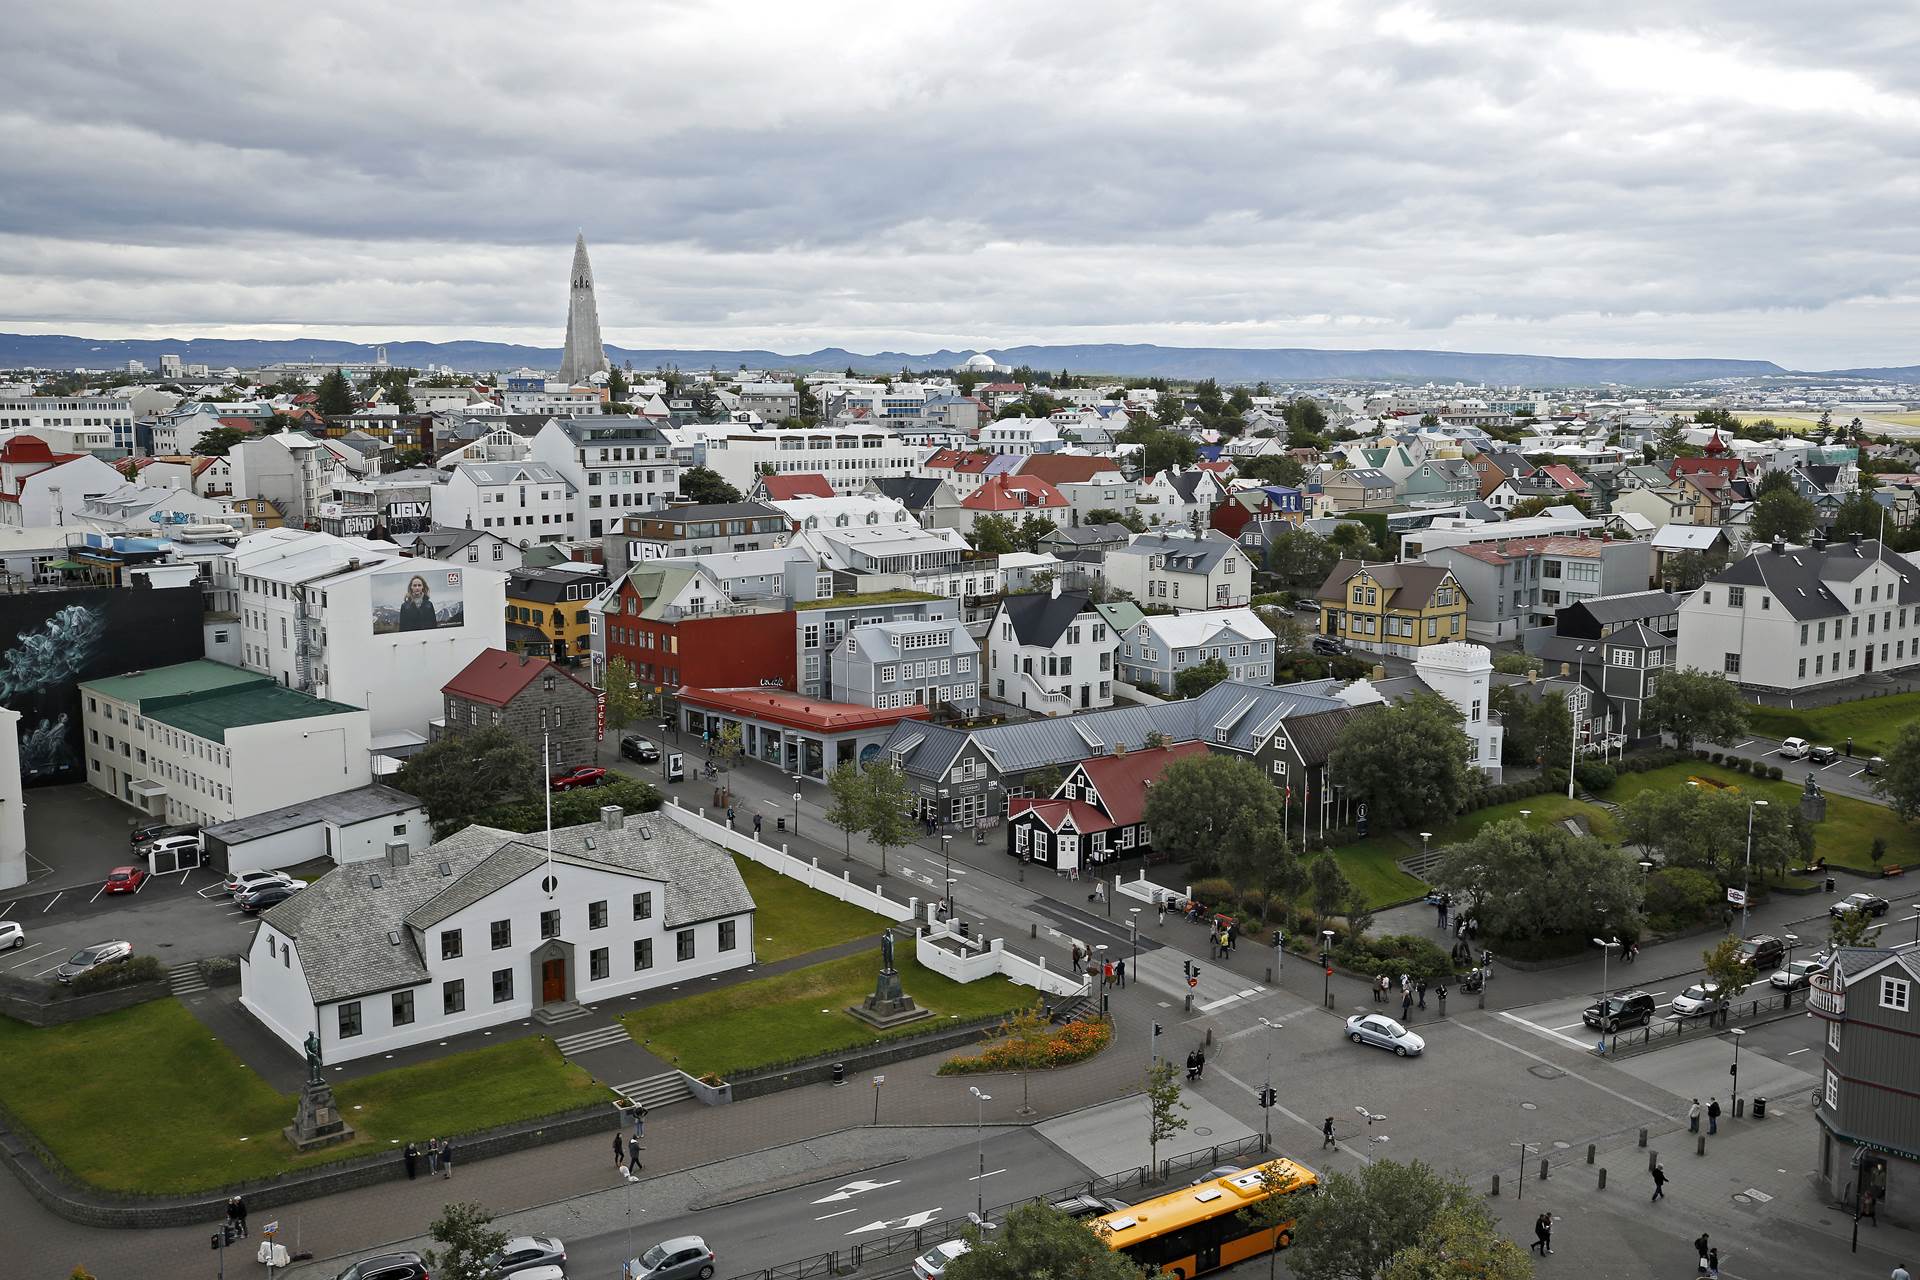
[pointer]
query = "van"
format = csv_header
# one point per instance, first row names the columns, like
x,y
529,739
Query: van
x,y
166,845
1795,748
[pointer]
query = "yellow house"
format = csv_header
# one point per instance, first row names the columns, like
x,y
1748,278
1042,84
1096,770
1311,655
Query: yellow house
x,y
1392,608
547,610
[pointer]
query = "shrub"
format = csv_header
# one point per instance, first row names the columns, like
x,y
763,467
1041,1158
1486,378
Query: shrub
x,y
220,970
124,974
1075,1042
1718,757
1594,777
1254,902
1680,897
1775,772
1395,954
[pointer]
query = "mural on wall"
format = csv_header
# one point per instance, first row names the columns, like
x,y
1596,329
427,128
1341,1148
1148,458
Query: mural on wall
x,y
60,638
417,600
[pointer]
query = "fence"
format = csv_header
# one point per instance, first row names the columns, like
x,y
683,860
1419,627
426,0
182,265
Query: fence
x,y
965,960
805,871
1676,1028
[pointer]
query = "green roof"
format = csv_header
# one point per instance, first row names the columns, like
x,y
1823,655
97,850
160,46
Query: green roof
x,y
210,715
871,597
163,682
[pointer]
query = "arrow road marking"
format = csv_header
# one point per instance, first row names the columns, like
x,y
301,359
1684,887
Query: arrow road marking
x,y
912,1220
854,1188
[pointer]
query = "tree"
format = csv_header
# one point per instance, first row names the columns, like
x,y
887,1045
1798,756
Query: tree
x,y
1274,468
1164,449
1328,882
729,747
334,395
1727,968
1671,440
1306,424
1899,780
1275,1211
995,535
1107,515
1693,704
1024,1037
1163,1108
1773,481
219,442
1690,569
699,484
1359,1223
617,386
1539,730
1216,806
465,773
1410,760
890,799
850,796
1782,514
467,1239
1461,1242
1534,506
1197,679
1030,531
1529,884
626,700
1039,1240
1301,559
1858,514
1850,929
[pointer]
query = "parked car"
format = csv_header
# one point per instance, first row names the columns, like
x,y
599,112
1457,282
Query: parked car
x,y
635,747
167,846
1218,1171
1306,606
154,830
11,935
581,775
933,1264
1698,1000
387,1266
247,881
1795,748
93,957
125,880
1088,1206
1796,975
269,895
681,1258
1872,904
1874,767
1378,1029
1332,646
1762,951
1621,1009
523,1253
1823,755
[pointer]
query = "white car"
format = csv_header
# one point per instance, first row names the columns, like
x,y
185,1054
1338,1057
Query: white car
x,y
1378,1029
1796,975
1700,998
11,935
932,1264
1795,748
245,882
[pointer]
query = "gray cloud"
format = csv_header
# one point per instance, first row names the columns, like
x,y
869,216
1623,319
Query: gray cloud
x,y
1715,179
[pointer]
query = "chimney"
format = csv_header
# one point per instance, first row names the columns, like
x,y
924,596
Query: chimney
x,y
523,657
1854,538
1819,542
399,853
1566,669
1779,546
612,817
1533,675
1054,589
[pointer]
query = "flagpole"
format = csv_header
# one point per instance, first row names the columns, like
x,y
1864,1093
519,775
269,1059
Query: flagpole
x,y
546,741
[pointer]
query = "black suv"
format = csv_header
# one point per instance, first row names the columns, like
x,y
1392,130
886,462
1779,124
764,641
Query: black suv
x,y
1333,646
1763,951
635,747
1621,1009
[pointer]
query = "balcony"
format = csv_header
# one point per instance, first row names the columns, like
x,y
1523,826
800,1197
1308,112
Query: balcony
x,y
1827,995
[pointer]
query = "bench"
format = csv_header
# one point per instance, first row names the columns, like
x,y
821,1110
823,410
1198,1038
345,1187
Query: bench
x,y
1888,872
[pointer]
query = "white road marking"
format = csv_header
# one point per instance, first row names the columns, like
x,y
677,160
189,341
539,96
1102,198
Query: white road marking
x,y
1799,1051
823,1217
1545,1031
49,906
988,1174
1855,775
49,969
9,907
1568,1027
1211,1005
1738,746
1525,1053
920,1219
854,1188
96,893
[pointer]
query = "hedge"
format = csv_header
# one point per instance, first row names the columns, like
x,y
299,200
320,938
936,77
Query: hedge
x,y
124,973
1395,955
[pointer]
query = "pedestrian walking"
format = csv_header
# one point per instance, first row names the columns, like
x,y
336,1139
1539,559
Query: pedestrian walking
x,y
1406,1007
1120,973
1713,1264
1442,993
240,1213
1406,983
412,1156
1380,990
1193,1072
619,1150
1713,1115
1900,1272
446,1159
433,1157
1421,987
1693,1117
233,1216
756,826
1700,1247
1199,1063
729,817
1161,907
1326,1134
1473,926
1542,1235
633,1157
1868,1209
1659,1182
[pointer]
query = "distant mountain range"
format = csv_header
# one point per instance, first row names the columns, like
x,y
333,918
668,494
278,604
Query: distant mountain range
x,y
1229,364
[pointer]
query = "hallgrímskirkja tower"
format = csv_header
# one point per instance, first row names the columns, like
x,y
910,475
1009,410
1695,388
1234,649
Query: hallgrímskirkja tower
x,y
584,355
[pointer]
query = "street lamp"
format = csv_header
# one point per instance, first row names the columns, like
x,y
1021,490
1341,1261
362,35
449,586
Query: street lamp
x,y
666,727
1525,814
1266,1090
1734,1071
1606,946
946,861
627,1175
1424,837
796,804
1746,876
979,1149
1326,966
1372,1137
1133,927
947,902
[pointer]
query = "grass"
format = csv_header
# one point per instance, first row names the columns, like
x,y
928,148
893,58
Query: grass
x,y
1543,810
1904,419
72,1085
1843,838
1872,723
1793,423
1372,865
792,919
802,1014
901,596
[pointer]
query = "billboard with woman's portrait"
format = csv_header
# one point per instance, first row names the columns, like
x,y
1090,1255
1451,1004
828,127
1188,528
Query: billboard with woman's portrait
x,y
423,599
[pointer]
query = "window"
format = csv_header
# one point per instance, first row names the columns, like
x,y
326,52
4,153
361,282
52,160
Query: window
x,y
683,945
1732,664
729,935
643,954
596,915
449,944
349,1019
1833,1090
598,966
643,906
402,1008
502,932
502,985
1896,993
1736,597
1833,1036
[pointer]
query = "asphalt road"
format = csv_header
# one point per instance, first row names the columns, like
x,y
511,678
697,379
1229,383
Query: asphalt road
x,y
1844,776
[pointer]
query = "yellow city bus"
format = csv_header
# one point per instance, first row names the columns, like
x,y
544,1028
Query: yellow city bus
x,y
1197,1229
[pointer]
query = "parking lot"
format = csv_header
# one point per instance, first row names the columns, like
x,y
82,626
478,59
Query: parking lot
x,y
1843,775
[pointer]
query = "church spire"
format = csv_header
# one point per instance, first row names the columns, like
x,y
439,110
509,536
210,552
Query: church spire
x,y
584,356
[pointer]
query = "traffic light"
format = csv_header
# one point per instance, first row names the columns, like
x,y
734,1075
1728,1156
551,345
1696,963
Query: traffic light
x,y
1279,937
1156,1029
1268,1097
1186,968
1193,977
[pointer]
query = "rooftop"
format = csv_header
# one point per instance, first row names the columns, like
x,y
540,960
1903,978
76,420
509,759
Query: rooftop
x,y
496,677
210,715
197,677
343,807
870,597
797,710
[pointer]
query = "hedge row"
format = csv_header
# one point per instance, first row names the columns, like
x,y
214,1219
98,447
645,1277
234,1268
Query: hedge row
x,y
1740,764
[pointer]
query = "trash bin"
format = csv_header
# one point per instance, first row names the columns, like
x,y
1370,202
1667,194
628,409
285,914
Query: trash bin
x,y
779,824
1830,884
964,931
839,1073
1759,1108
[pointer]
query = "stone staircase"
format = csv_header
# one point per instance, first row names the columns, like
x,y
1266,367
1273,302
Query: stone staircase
x,y
564,1011
186,979
1072,1009
587,1041
655,1092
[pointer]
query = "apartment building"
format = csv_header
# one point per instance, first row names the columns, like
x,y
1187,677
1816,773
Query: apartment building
x,y
1522,583
848,456
615,465
1160,646
909,664
1183,570
524,502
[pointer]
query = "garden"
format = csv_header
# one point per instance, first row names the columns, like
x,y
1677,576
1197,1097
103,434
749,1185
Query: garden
x,y
790,919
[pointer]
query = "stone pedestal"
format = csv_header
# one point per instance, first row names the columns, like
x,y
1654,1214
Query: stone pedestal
x,y
317,1123
889,1005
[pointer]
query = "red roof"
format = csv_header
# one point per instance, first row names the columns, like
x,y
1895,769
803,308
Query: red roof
x,y
1219,467
23,449
1052,812
954,460
785,488
1011,388
798,710
497,677
239,424
1722,466
1013,493
1067,468
1122,781
1565,476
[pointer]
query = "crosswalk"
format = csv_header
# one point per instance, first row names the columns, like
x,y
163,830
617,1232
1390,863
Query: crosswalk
x,y
186,979
587,1041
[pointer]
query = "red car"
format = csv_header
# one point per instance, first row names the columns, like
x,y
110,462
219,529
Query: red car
x,y
581,775
126,879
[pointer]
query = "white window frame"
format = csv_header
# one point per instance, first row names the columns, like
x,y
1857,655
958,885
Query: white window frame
x,y
1896,994
1833,1090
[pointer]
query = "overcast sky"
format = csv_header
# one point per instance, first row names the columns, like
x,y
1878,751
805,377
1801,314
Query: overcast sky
x,y
1713,179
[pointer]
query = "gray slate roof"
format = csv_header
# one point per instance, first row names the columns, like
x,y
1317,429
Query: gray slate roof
x,y
1795,577
1039,619
911,492
1184,553
1629,605
1090,534
344,807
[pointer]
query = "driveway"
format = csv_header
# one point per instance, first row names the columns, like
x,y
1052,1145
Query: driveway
x,y
179,917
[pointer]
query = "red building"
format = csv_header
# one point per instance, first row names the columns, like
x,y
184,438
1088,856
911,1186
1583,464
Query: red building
x,y
751,648
794,732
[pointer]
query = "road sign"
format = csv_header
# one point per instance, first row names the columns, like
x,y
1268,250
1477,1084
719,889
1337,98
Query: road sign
x,y
1738,897
878,1081
270,1228
1360,818
1192,982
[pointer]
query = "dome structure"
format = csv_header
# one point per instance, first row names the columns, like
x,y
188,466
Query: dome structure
x,y
980,362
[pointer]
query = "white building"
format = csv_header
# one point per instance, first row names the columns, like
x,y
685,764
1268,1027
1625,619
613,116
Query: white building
x,y
327,615
524,502
615,464
41,487
1161,646
482,929
1791,618
1178,569
1052,653
205,742
1020,436
558,399
84,424
908,664
287,468
1461,673
847,456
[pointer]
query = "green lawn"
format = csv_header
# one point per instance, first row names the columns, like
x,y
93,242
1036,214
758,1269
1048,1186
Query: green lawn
x,y
220,1123
802,1014
1542,811
792,919
1843,839
1872,723
1373,867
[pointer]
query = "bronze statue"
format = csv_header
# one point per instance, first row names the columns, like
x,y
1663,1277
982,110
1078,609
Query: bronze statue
x,y
886,952
313,1058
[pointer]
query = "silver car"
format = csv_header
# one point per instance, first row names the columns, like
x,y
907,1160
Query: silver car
x,y
1699,999
1377,1029
681,1258
521,1254
92,958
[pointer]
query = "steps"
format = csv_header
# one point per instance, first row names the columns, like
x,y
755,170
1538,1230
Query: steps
x,y
186,979
587,1041
564,1011
1074,1009
1418,865
655,1092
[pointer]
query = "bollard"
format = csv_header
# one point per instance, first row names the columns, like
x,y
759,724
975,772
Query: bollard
x,y
1700,1148
1543,1168
1495,1193
1653,1160
1209,1037
1329,1001
1269,975
1589,1153
1739,1107
1643,1137
1603,1178
1034,929
1483,995
1189,1002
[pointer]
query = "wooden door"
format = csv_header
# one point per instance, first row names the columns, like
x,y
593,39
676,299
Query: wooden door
x,y
553,981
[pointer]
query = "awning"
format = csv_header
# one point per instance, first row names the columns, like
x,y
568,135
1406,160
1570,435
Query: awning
x,y
70,564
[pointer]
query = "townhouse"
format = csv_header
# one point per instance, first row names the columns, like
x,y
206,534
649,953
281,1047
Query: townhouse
x,y
1392,608
909,664
1185,571
1155,650
1051,653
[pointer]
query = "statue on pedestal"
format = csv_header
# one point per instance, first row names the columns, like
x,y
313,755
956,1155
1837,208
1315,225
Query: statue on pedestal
x,y
313,1058
316,1121
889,1005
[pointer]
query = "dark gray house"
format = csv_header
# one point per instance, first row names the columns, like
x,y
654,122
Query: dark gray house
x,y
1868,1096
536,701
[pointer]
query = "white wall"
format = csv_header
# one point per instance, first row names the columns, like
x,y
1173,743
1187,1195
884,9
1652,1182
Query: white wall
x,y
13,814
775,858
361,841
273,988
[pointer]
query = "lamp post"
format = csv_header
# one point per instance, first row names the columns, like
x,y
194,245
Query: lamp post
x,y
946,866
1424,837
1133,927
947,903
1326,966
1734,1071
980,1101
1372,1137
1266,1090
1746,876
1525,814
796,804
666,727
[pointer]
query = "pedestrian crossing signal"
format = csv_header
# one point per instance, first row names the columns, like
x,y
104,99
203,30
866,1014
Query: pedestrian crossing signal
x,y
1193,980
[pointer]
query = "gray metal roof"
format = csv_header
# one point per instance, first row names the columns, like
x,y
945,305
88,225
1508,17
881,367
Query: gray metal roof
x,y
1629,606
1184,553
1797,577
509,472
1039,619
343,807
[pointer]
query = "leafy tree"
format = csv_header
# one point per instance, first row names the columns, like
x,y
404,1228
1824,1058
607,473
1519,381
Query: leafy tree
x,y
1037,1240
1030,531
1164,449
1858,514
1850,929
1693,704
465,773
1782,514
1671,441
1689,570
1107,515
1680,896
1328,882
334,395
1215,805
1163,1108
729,747
1461,1242
1276,1210
850,796
1359,1223
1528,883
1899,781
1197,679
1535,506
1306,424
219,442
572,808
1301,559
1725,966
1023,1037
699,484
1773,481
1539,730
1410,760
1273,468
890,800
626,700
995,535
1046,780
467,1240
